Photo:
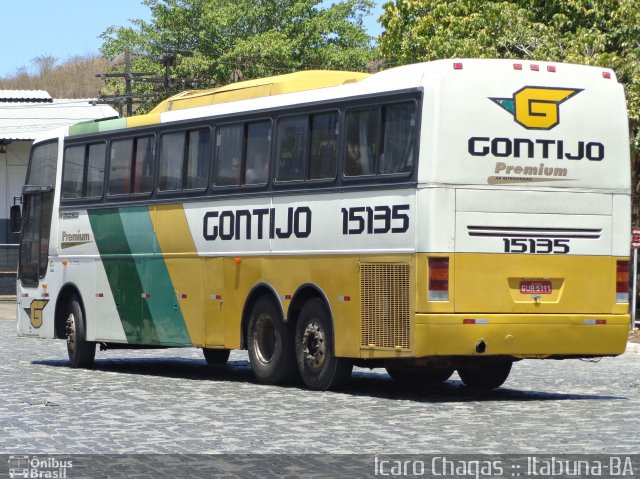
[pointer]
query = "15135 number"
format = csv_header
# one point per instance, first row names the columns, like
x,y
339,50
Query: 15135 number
x,y
536,245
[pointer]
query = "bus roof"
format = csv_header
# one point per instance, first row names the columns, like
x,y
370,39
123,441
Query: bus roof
x,y
275,85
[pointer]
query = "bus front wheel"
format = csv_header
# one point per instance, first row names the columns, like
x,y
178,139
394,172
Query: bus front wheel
x,y
319,367
270,344
485,376
81,352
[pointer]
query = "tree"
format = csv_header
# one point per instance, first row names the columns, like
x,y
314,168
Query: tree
x,y
591,32
225,40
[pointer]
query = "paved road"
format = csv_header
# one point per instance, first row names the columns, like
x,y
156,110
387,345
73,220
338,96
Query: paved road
x,y
168,401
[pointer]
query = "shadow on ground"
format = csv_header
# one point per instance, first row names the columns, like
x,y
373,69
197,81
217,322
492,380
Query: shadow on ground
x,y
363,382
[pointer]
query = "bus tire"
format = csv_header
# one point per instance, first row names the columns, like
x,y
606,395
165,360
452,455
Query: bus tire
x,y
319,368
81,352
419,375
216,357
485,376
270,344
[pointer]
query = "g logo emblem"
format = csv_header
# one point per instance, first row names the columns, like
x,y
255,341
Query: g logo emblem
x,y
537,108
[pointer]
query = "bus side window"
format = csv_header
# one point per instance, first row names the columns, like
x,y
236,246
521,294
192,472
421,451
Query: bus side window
x,y
143,161
197,164
171,161
95,170
324,146
292,145
399,136
362,137
120,167
257,160
229,145
73,172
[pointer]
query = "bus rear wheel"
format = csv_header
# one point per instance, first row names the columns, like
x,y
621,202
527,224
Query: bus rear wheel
x,y
485,376
419,375
270,344
216,357
81,352
319,367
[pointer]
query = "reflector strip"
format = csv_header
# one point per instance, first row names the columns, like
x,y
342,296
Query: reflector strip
x,y
285,297
344,298
145,295
457,66
551,68
99,295
517,66
216,297
535,68
606,75
595,321
475,321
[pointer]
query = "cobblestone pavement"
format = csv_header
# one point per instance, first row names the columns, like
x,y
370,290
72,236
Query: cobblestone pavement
x,y
168,401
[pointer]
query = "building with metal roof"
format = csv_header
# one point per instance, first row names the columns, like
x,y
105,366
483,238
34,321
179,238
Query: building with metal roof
x,y
23,115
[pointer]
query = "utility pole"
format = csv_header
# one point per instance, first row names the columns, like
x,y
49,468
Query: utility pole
x,y
168,61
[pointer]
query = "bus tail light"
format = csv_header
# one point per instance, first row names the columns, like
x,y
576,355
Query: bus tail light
x,y
622,282
438,279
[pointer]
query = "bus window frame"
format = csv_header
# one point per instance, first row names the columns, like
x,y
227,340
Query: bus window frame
x,y
134,137
183,128
244,120
307,112
86,145
382,177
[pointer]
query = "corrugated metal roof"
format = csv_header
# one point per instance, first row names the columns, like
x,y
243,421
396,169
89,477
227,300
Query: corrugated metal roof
x,y
24,96
23,121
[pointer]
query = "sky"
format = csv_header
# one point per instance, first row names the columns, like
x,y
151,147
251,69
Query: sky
x,y
63,29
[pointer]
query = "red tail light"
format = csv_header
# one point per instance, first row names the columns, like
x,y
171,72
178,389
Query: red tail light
x,y
622,282
438,279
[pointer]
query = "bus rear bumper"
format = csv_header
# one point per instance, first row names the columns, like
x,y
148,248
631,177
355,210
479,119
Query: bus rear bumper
x,y
520,336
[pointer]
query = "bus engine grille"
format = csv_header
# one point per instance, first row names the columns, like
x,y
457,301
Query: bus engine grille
x,y
385,317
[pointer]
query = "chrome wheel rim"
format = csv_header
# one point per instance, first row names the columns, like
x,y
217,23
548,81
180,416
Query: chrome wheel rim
x,y
314,347
264,344
70,327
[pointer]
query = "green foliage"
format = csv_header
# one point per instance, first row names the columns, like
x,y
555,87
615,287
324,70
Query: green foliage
x,y
591,32
225,40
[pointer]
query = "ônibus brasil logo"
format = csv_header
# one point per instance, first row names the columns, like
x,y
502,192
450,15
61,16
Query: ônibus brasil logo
x,y
537,108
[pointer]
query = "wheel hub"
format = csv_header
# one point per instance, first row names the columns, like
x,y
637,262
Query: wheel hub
x,y
314,346
70,327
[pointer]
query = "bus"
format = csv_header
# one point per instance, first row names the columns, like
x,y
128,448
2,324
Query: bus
x,y
455,215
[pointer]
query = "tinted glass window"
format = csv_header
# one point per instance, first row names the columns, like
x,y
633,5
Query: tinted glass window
x,y
95,170
399,135
257,157
73,172
171,161
324,146
120,167
143,173
362,141
197,167
230,140
291,148
42,170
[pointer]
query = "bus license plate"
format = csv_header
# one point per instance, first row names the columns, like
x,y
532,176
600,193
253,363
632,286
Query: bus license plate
x,y
536,287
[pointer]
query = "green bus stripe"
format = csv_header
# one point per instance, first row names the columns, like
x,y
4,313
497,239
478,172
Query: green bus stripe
x,y
122,274
154,275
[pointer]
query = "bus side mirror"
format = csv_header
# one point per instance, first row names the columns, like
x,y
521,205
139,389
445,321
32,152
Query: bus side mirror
x,y
15,218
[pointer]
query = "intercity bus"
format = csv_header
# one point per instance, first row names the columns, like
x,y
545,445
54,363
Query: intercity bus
x,y
457,215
